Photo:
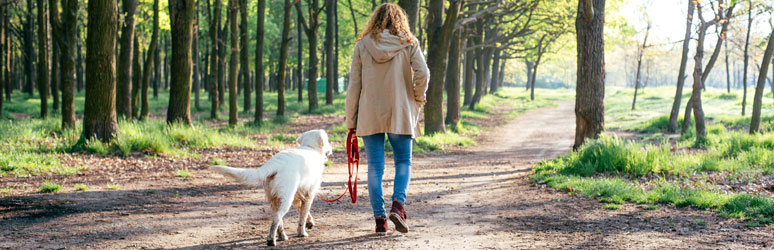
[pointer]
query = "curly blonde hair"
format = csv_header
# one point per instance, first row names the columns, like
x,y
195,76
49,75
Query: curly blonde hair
x,y
390,17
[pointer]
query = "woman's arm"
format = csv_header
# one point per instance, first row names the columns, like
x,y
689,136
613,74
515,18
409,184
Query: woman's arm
x,y
353,92
421,73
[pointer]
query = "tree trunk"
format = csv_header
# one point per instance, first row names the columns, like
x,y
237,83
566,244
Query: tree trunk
x,y
259,71
233,116
54,79
453,79
354,20
311,34
29,54
197,67
755,122
501,78
639,65
181,14
673,115
746,56
157,66
438,33
300,57
590,90
330,68
530,66
495,71
43,77
728,71
534,72
136,79
469,75
479,69
336,88
222,50
215,59
80,72
283,58
99,116
695,102
150,56
123,93
3,61
245,57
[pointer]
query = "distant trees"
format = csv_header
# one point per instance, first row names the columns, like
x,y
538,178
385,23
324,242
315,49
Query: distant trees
x,y
590,89
285,41
43,80
233,115
125,59
310,28
259,72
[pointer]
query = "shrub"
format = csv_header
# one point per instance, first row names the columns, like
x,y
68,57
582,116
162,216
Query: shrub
x,y
49,187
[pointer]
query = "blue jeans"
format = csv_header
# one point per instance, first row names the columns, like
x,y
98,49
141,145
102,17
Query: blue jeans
x,y
374,148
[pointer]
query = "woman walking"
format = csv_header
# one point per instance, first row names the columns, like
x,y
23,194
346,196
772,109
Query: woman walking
x,y
388,81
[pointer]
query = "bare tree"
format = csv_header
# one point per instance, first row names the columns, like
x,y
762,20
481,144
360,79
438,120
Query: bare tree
x,y
640,54
673,115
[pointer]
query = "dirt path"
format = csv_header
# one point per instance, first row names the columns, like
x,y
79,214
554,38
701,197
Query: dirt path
x,y
478,198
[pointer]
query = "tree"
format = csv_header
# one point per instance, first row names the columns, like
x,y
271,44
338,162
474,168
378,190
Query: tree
x,y
705,71
259,71
438,33
672,126
590,90
43,80
233,116
283,58
66,36
746,55
453,79
99,115
330,60
181,13
150,57
244,57
124,91
755,122
3,52
311,34
136,79
215,75
695,102
640,54
470,61
412,12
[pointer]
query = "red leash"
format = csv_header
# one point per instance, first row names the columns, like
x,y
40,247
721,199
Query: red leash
x,y
353,160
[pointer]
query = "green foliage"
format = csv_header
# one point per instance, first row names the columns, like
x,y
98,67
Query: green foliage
x,y
184,173
81,187
218,162
612,206
49,187
113,186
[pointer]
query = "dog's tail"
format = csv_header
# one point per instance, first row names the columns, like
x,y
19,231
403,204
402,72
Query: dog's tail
x,y
252,177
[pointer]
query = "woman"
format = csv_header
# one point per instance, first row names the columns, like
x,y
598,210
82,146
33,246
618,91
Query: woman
x,y
387,85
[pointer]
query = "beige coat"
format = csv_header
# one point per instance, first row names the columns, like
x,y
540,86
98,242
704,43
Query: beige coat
x,y
387,85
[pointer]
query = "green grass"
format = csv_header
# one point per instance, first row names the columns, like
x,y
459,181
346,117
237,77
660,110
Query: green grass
x,y
81,187
184,173
612,206
649,207
610,169
150,191
113,186
6,191
218,161
49,187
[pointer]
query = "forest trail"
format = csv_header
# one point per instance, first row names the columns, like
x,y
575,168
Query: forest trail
x,y
476,198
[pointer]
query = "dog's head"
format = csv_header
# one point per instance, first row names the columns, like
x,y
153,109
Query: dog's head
x,y
316,139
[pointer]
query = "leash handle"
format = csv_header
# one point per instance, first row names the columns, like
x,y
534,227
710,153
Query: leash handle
x,y
353,160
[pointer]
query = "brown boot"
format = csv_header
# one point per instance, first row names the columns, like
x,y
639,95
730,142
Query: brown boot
x,y
398,217
381,225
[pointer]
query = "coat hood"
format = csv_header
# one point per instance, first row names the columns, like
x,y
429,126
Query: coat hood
x,y
385,47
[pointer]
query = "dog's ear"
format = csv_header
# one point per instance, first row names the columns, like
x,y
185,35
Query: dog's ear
x,y
320,142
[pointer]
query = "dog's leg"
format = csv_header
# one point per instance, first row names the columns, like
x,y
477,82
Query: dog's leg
x,y
305,216
277,224
309,221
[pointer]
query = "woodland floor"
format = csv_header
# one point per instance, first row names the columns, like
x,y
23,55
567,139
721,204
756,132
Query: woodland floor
x,y
478,197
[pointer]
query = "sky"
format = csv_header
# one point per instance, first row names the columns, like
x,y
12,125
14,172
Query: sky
x,y
667,18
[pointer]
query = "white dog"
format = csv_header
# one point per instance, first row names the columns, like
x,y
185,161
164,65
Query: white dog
x,y
291,177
